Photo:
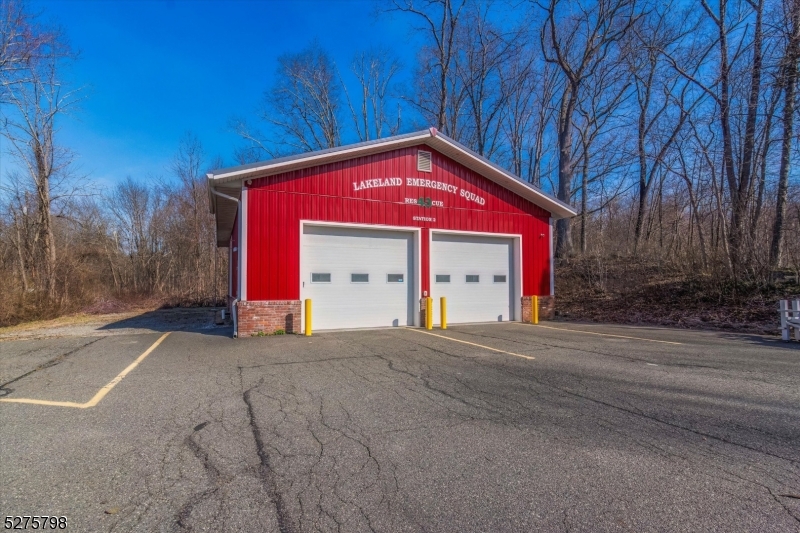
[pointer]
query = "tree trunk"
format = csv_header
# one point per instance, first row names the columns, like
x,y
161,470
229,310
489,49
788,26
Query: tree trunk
x,y
21,257
644,185
740,186
762,175
724,101
584,189
568,102
790,75
48,237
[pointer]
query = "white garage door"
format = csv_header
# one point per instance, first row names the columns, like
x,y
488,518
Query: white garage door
x,y
475,274
357,278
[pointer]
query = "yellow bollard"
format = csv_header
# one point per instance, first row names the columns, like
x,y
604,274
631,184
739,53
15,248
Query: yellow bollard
x,y
428,313
308,317
535,309
443,303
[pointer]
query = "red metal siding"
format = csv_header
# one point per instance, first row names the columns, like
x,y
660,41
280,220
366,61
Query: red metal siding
x,y
425,261
276,204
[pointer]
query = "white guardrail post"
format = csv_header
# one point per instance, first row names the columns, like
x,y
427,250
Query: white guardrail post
x,y
790,318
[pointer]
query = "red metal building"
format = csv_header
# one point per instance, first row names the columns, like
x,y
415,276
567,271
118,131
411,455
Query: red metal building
x,y
368,230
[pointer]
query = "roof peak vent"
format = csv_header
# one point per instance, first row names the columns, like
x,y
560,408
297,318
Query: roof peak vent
x,y
424,161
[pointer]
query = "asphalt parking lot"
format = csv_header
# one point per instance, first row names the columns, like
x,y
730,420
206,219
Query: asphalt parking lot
x,y
496,427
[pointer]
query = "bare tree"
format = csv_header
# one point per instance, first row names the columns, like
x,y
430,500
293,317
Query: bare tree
x,y
436,98
578,37
789,77
544,114
302,108
23,232
36,106
661,96
375,70
483,50
738,182
604,95
662,123
133,205
23,42
527,112
193,202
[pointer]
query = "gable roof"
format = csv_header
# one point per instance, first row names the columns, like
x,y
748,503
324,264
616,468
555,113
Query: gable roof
x,y
229,181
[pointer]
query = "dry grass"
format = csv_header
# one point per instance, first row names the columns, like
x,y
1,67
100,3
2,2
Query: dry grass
x,y
77,319
626,291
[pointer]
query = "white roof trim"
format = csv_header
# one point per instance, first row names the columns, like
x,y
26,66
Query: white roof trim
x,y
504,178
310,159
431,137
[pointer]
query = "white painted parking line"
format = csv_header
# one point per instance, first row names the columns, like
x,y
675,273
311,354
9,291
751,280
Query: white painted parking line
x,y
474,344
595,333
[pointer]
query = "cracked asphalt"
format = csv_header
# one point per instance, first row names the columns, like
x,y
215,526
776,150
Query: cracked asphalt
x,y
398,430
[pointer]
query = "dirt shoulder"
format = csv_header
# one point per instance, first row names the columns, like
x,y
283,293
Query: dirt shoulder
x,y
125,323
630,293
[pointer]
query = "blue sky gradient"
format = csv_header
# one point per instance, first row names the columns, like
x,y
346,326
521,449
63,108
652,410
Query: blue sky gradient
x,y
153,70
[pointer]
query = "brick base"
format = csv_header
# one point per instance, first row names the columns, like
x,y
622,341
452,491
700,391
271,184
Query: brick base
x,y
422,311
268,316
546,308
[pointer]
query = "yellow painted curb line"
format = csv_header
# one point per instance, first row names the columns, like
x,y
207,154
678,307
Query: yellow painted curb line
x,y
473,344
102,392
603,334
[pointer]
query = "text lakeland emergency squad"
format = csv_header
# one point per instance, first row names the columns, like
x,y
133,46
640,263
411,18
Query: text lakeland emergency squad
x,y
418,182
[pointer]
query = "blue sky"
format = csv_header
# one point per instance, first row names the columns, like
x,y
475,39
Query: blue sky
x,y
153,70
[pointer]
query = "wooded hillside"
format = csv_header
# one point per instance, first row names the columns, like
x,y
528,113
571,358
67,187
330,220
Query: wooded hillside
x,y
671,125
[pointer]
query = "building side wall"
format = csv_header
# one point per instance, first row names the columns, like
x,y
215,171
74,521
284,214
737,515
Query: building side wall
x,y
233,264
332,193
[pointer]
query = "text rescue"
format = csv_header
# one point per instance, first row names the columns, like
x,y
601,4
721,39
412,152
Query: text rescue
x,y
417,182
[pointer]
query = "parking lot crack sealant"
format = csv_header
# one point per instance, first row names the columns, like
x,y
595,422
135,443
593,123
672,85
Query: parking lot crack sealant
x,y
777,498
772,493
266,472
637,413
427,385
213,474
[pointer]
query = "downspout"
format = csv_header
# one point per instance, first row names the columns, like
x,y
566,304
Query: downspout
x,y
235,302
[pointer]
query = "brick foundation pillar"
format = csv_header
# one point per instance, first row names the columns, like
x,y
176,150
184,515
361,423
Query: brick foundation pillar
x,y
422,311
546,308
526,309
268,316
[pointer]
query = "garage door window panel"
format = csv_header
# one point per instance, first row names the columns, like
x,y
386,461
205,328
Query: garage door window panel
x,y
472,278
442,278
499,279
359,278
394,278
318,277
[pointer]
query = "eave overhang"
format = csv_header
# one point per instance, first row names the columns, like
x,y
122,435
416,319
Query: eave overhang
x,y
229,180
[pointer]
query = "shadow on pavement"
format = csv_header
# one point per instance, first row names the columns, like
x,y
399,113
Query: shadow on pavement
x,y
761,340
196,319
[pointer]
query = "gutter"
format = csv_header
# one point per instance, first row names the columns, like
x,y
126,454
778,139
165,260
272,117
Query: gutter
x,y
235,302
